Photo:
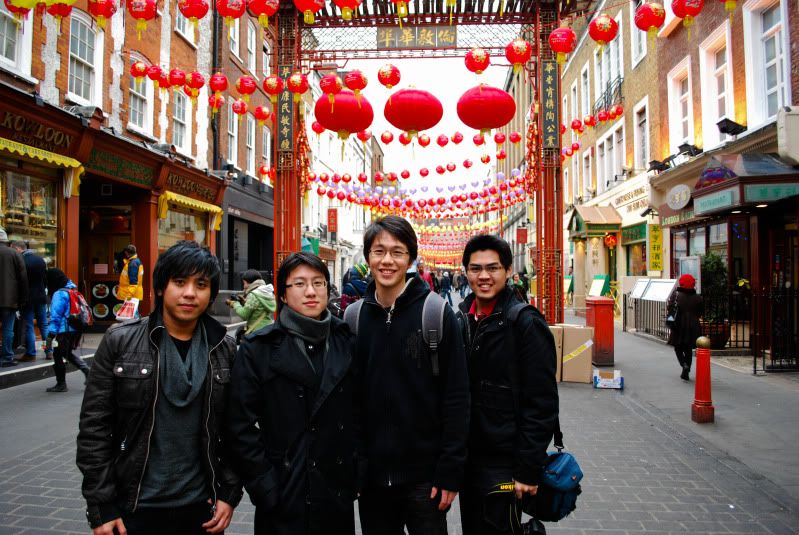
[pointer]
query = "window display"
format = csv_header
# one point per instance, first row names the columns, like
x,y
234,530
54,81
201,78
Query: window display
x,y
29,212
181,225
636,259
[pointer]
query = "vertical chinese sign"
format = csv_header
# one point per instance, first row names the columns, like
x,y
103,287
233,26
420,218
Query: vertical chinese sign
x,y
549,103
285,115
332,219
655,256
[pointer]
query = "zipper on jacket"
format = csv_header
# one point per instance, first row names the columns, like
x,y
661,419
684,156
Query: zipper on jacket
x,y
152,425
122,444
208,419
388,317
478,331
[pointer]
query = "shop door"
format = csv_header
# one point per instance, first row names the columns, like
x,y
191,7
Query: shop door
x,y
784,298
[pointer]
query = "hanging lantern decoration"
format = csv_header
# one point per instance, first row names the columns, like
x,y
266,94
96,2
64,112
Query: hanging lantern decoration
x,y
562,41
687,10
356,81
602,116
575,146
308,8
467,164
386,137
20,12
154,73
142,11
331,85
261,113
263,9
317,127
163,81
442,140
388,75
404,138
518,53
402,9
347,118
364,136
610,241
618,110
101,10
193,10
485,158
230,10
59,11
239,107
589,121
577,124
347,7
424,172
515,137
478,139
273,85
195,81
501,154
218,83
413,110
263,171
485,107
612,114
603,29
138,70
246,85
649,17
424,140
729,6
297,84
177,78
457,137
477,60
499,138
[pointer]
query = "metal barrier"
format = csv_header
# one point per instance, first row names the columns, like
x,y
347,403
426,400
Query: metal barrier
x,y
777,315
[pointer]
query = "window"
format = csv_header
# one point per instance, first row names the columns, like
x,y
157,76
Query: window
x,y
251,37
585,92
575,182
250,145
574,102
771,43
641,138
267,63
183,26
610,159
587,175
565,108
637,37
181,123
232,135
716,85
15,44
266,148
681,119
139,116
85,61
608,63
233,37
767,76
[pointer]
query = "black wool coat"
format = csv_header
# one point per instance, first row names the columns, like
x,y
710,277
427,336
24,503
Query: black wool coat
x,y
689,307
293,438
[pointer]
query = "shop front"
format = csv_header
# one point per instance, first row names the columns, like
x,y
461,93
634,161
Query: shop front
x,y
593,230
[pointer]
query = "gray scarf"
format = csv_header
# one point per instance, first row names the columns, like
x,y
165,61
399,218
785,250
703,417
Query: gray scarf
x,y
181,382
306,329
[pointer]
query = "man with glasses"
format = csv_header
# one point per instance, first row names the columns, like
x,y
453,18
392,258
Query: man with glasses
x,y
511,355
415,422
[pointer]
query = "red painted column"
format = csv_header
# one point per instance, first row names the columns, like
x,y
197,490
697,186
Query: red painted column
x,y
702,410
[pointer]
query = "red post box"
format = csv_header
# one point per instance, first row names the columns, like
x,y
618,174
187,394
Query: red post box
x,y
599,315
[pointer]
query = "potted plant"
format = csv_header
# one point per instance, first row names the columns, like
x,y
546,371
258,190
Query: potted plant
x,y
715,321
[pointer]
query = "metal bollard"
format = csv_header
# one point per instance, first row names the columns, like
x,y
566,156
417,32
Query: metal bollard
x,y
702,410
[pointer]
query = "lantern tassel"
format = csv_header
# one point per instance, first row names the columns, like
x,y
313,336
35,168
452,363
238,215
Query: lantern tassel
x,y
263,20
502,8
653,35
332,99
358,97
141,25
101,22
196,24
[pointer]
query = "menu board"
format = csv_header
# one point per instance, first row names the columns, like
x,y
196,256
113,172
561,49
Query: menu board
x,y
103,299
638,289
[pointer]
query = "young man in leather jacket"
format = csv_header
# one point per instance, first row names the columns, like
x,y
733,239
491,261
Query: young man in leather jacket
x,y
149,445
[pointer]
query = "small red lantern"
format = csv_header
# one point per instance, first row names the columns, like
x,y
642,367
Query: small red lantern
x,y
485,158
138,70
440,169
618,110
177,78
518,53
356,81
308,8
101,10
142,11
424,172
687,10
218,83
230,10
20,12
442,140
577,124
378,177
569,152
154,74
499,138
575,146
273,85
246,85
386,137
163,81
424,140
457,137
485,107
404,138
262,113
603,29
649,17
263,9
193,10
331,85
239,108
589,121
602,116
478,139
297,84
364,135
362,177
59,11
501,154
515,137
347,7
405,174
477,60
388,75
317,127
562,41
451,167
610,241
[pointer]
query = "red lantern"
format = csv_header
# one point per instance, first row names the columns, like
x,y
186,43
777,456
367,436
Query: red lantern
x,y
405,174
589,121
451,167
499,138
297,84
142,11
485,107
562,41
20,12
239,108
193,10
569,152
154,74
230,10
687,10
194,82
442,140
515,137
485,158
362,177
440,169
577,124
364,135
602,116
347,7
575,146
501,154
331,85
262,113
356,81
649,17
308,8
273,85
424,140
386,137
163,81
610,241
404,138
518,53
263,170
457,137
378,177
263,9
348,117
424,172
478,139
618,110
177,78
467,164
392,176
218,83
317,127
611,114
388,75
477,60
59,11
603,29
246,85
101,10
138,70
413,110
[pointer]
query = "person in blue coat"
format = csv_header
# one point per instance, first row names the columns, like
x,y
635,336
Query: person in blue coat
x,y
61,338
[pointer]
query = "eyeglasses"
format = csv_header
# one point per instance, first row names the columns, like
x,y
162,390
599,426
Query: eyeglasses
x,y
396,254
491,269
302,285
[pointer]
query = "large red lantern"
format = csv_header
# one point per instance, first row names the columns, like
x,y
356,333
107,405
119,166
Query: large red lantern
x,y
246,85
59,11
649,17
261,114
102,10
154,73
687,10
138,70
563,41
388,75
297,84
413,110
356,81
230,10
485,107
347,7
348,117
194,82
478,139
263,9
273,85
515,137
177,78
603,29
193,10
142,11
518,53
308,8
477,60
218,83
576,124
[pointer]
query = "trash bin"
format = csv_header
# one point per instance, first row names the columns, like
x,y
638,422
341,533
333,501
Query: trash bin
x,y
599,315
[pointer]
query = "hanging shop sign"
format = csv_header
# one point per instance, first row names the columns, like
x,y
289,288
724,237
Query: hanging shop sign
x,y
285,114
327,253
191,188
678,197
549,101
417,37
33,133
521,235
633,200
719,200
332,219
114,165
655,256
770,192
633,234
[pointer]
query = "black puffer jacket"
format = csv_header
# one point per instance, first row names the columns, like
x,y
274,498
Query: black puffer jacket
x,y
498,349
116,418
299,463
689,307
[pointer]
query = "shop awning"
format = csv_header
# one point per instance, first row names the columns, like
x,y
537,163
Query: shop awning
x,y
170,197
724,167
593,221
46,156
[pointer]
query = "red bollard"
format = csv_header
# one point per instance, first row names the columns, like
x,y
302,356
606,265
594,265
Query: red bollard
x,y
702,411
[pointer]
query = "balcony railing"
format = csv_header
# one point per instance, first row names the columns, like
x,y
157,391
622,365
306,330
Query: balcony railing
x,y
610,96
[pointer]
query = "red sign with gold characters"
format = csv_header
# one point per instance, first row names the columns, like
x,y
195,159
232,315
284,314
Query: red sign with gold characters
x,y
521,235
332,219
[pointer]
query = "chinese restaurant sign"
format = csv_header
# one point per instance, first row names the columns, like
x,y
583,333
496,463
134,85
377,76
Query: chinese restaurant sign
x,y
655,257
285,115
549,101
417,37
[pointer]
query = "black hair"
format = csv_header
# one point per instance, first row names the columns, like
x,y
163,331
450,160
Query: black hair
x,y
487,242
130,249
184,259
251,275
292,262
19,244
397,227
56,279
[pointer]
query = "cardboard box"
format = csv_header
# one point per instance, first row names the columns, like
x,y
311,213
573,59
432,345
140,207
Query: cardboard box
x,y
557,334
577,343
608,379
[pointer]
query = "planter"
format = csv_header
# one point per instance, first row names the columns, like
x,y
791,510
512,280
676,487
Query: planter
x,y
718,332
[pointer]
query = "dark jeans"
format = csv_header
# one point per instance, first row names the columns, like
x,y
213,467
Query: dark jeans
x,y
446,295
66,344
387,510
489,515
186,520
7,318
38,311
684,355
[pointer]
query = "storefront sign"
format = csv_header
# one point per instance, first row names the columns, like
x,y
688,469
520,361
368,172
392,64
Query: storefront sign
x,y
327,253
549,103
34,133
114,165
769,192
285,114
417,37
633,234
655,256
715,201
676,219
186,186
332,219
678,197
634,199
521,235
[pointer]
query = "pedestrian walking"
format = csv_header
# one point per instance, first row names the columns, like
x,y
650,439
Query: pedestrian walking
x,y
415,420
131,276
353,287
259,305
36,307
514,396
13,296
150,446
463,284
62,339
425,275
291,413
519,289
686,307
446,287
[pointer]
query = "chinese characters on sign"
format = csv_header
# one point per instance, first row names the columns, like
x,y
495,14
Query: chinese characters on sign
x,y
655,248
417,37
549,100
332,219
521,235
285,115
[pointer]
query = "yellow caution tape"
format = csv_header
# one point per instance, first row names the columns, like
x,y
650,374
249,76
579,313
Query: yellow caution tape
x,y
576,352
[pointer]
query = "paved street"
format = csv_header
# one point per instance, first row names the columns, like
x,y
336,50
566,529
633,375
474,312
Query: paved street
x,y
648,468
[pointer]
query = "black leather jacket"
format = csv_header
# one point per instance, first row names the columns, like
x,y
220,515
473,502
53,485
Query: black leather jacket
x,y
116,418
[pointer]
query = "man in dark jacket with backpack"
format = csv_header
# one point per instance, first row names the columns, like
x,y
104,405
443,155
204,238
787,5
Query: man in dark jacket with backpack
x,y
511,356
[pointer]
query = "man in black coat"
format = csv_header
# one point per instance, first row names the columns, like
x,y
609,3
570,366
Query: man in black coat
x,y
36,306
13,296
415,424
514,397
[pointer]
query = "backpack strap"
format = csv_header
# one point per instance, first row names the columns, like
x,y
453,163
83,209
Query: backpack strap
x,y
433,326
352,315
